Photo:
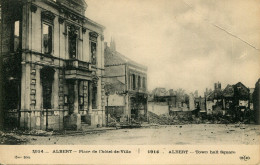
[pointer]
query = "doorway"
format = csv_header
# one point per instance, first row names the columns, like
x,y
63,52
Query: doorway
x,y
71,96
47,77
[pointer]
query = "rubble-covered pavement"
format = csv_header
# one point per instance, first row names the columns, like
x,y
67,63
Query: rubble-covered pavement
x,y
184,128
191,134
189,118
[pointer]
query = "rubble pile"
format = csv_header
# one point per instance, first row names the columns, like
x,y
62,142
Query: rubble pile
x,y
11,139
113,124
162,119
184,118
153,118
188,118
38,133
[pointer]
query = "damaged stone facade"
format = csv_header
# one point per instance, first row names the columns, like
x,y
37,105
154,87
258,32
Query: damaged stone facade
x,y
53,61
126,86
173,100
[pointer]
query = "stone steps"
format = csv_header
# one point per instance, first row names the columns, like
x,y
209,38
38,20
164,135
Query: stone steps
x,y
85,126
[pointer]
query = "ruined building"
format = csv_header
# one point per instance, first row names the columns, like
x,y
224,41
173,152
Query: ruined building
x,y
256,101
214,101
125,86
236,96
53,61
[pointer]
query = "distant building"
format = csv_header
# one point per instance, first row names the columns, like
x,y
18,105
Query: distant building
x,y
241,95
162,95
238,95
175,100
200,103
126,82
236,100
162,101
192,102
159,95
213,99
228,95
251,103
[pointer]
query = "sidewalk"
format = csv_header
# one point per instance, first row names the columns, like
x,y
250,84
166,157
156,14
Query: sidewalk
x,y
85,131
146,125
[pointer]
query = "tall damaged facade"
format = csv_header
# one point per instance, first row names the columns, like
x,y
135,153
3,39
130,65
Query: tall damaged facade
x,y
256,101
125,86
53,61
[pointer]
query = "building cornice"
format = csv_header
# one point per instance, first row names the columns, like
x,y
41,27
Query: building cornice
x,y
70,14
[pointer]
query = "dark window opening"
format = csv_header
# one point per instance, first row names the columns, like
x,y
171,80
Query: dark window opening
x,y
139,82
93,50
73,35
47,92
47,38
47,76
134,85
144,83
16,38
130,82
12,96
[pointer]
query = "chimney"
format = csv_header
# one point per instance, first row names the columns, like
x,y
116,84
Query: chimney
x,y
215,86
113,44
219,85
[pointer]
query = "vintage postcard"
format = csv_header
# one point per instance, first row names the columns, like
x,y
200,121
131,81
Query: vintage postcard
x,y
130,82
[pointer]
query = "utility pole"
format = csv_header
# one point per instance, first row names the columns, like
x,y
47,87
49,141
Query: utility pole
x,y
107,87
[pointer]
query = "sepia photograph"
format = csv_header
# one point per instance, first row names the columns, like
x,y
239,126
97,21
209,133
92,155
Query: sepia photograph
x,y
133,74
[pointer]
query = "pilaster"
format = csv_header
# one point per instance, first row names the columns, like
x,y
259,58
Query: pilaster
x,y
61,90
85,95
76,97
90,97
99,107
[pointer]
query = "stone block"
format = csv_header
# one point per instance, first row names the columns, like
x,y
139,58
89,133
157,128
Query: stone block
x,y
87,119
123,119
33,122
38,121
72,122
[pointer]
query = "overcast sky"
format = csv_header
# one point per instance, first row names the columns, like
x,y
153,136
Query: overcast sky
x,y
187,44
